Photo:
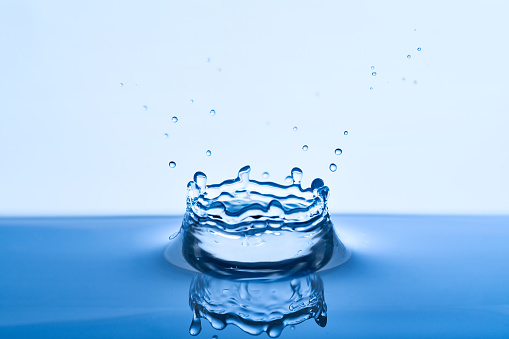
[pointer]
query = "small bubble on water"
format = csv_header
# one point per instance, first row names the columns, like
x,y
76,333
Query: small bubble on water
x,y
265,175
373,73
172,164
208,153
372,67
174,119
338,151
333,167
145,107
419,49
212,112
345,132
295,128
305,148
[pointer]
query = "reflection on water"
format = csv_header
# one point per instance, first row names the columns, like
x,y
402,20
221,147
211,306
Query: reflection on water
x,y
256,306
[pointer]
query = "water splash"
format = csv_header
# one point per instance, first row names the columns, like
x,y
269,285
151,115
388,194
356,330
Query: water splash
x,y
243,228
256,307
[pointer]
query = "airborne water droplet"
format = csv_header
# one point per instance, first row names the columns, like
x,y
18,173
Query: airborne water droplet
x,y
145,107
333,167
122,84
295,128
372,67
174,119
345,133
305,147
373,73
338,151
208,153
172,164
265,175
419,49
166,135
212,112
408,56
371,88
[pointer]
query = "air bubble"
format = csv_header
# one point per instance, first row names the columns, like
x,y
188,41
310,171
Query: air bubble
x,y
338,151
172,164
333,167
174,119
305,148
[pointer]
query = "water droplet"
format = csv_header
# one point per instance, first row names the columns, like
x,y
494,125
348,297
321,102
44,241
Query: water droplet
x,y
174,235
415,82
333,167
208,153
345,132
122,84
172,164
372,67
288,180
305,147
145,107
166,135
371,88
174,119
403,79
212,112
208,59
415,29
373,74
214,337
338,151
265,175
295,128
195,327
292,328
408,56
192,101
419,49
219,69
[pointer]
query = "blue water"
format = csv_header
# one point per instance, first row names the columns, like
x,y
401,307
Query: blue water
x,y
408,276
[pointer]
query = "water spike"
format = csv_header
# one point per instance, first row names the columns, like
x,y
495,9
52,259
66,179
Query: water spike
x,y
296,175
201,181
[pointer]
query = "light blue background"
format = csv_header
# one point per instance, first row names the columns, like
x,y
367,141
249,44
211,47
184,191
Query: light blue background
x,y
74,141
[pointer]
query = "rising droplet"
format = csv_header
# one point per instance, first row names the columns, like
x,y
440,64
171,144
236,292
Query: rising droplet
x,y
333,167
338,151
172,164
145,107
419,49
208,153
265,175
408,56
212,112
174,119
305,147
295,128
373,74
345,132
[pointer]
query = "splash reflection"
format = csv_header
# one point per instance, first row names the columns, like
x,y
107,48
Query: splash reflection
x,y
256,306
